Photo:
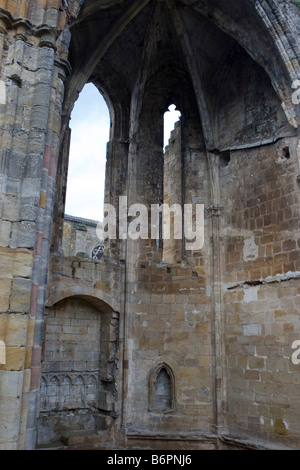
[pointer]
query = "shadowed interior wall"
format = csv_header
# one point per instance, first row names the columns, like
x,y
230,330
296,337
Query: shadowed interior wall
x,y
261,290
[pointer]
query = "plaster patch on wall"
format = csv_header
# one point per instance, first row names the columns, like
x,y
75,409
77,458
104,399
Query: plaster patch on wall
x,y
251,294
252,329
193,317
250,251
2,353
2,92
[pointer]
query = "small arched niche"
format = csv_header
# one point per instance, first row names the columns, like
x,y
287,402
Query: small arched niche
x,y
162,389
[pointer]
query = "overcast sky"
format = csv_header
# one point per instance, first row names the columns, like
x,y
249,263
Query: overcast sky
x,y
90,123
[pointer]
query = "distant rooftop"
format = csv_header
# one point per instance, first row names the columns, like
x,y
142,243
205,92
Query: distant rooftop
x,y
80,220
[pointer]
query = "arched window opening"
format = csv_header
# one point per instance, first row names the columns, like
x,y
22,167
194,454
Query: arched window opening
x,y
172,187
170,118
90,125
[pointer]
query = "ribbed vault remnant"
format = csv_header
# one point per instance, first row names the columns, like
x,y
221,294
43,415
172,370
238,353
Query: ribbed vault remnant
x,y
222,48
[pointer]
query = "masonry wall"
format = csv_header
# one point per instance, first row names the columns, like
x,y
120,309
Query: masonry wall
x,y
219,321
80,238
261,291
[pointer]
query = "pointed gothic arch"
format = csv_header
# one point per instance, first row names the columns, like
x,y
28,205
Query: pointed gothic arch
x,y
162,389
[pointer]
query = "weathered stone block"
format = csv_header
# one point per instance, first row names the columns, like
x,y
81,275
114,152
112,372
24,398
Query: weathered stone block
x,y
23,234
16,330
5,286
10,409
23,261
15,359
11,209
20,295
11,383
6,264
5,231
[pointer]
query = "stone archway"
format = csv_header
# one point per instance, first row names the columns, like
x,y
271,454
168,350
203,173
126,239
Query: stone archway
x,y
78,379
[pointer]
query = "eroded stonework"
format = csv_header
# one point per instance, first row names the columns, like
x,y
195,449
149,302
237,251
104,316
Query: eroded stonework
x,y
152,345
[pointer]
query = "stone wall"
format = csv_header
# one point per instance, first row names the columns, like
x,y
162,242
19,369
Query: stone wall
x,y
194,348
261,283
80,238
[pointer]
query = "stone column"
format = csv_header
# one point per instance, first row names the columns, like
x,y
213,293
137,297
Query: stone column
x,y
215,212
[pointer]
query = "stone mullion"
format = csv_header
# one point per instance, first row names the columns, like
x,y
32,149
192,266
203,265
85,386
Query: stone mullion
x,y
35,146
215,212
3,111
42,250
14,142
3,33
38,128
51,12
28,190
115,186
37,13
60,194
13,372
10,114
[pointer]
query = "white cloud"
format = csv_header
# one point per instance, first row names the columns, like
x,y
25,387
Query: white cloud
x,y
85,194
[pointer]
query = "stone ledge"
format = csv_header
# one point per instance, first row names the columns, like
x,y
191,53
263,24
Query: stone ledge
x,y
77,438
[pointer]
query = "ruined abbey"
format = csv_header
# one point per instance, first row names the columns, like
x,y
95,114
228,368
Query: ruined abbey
x,y
142,342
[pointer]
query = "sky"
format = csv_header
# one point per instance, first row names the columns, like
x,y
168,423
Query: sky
x,y
90,124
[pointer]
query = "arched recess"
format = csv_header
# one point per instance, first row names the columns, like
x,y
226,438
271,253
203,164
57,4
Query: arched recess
x,y
162,389
103,301
79,368
156,181
62,174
